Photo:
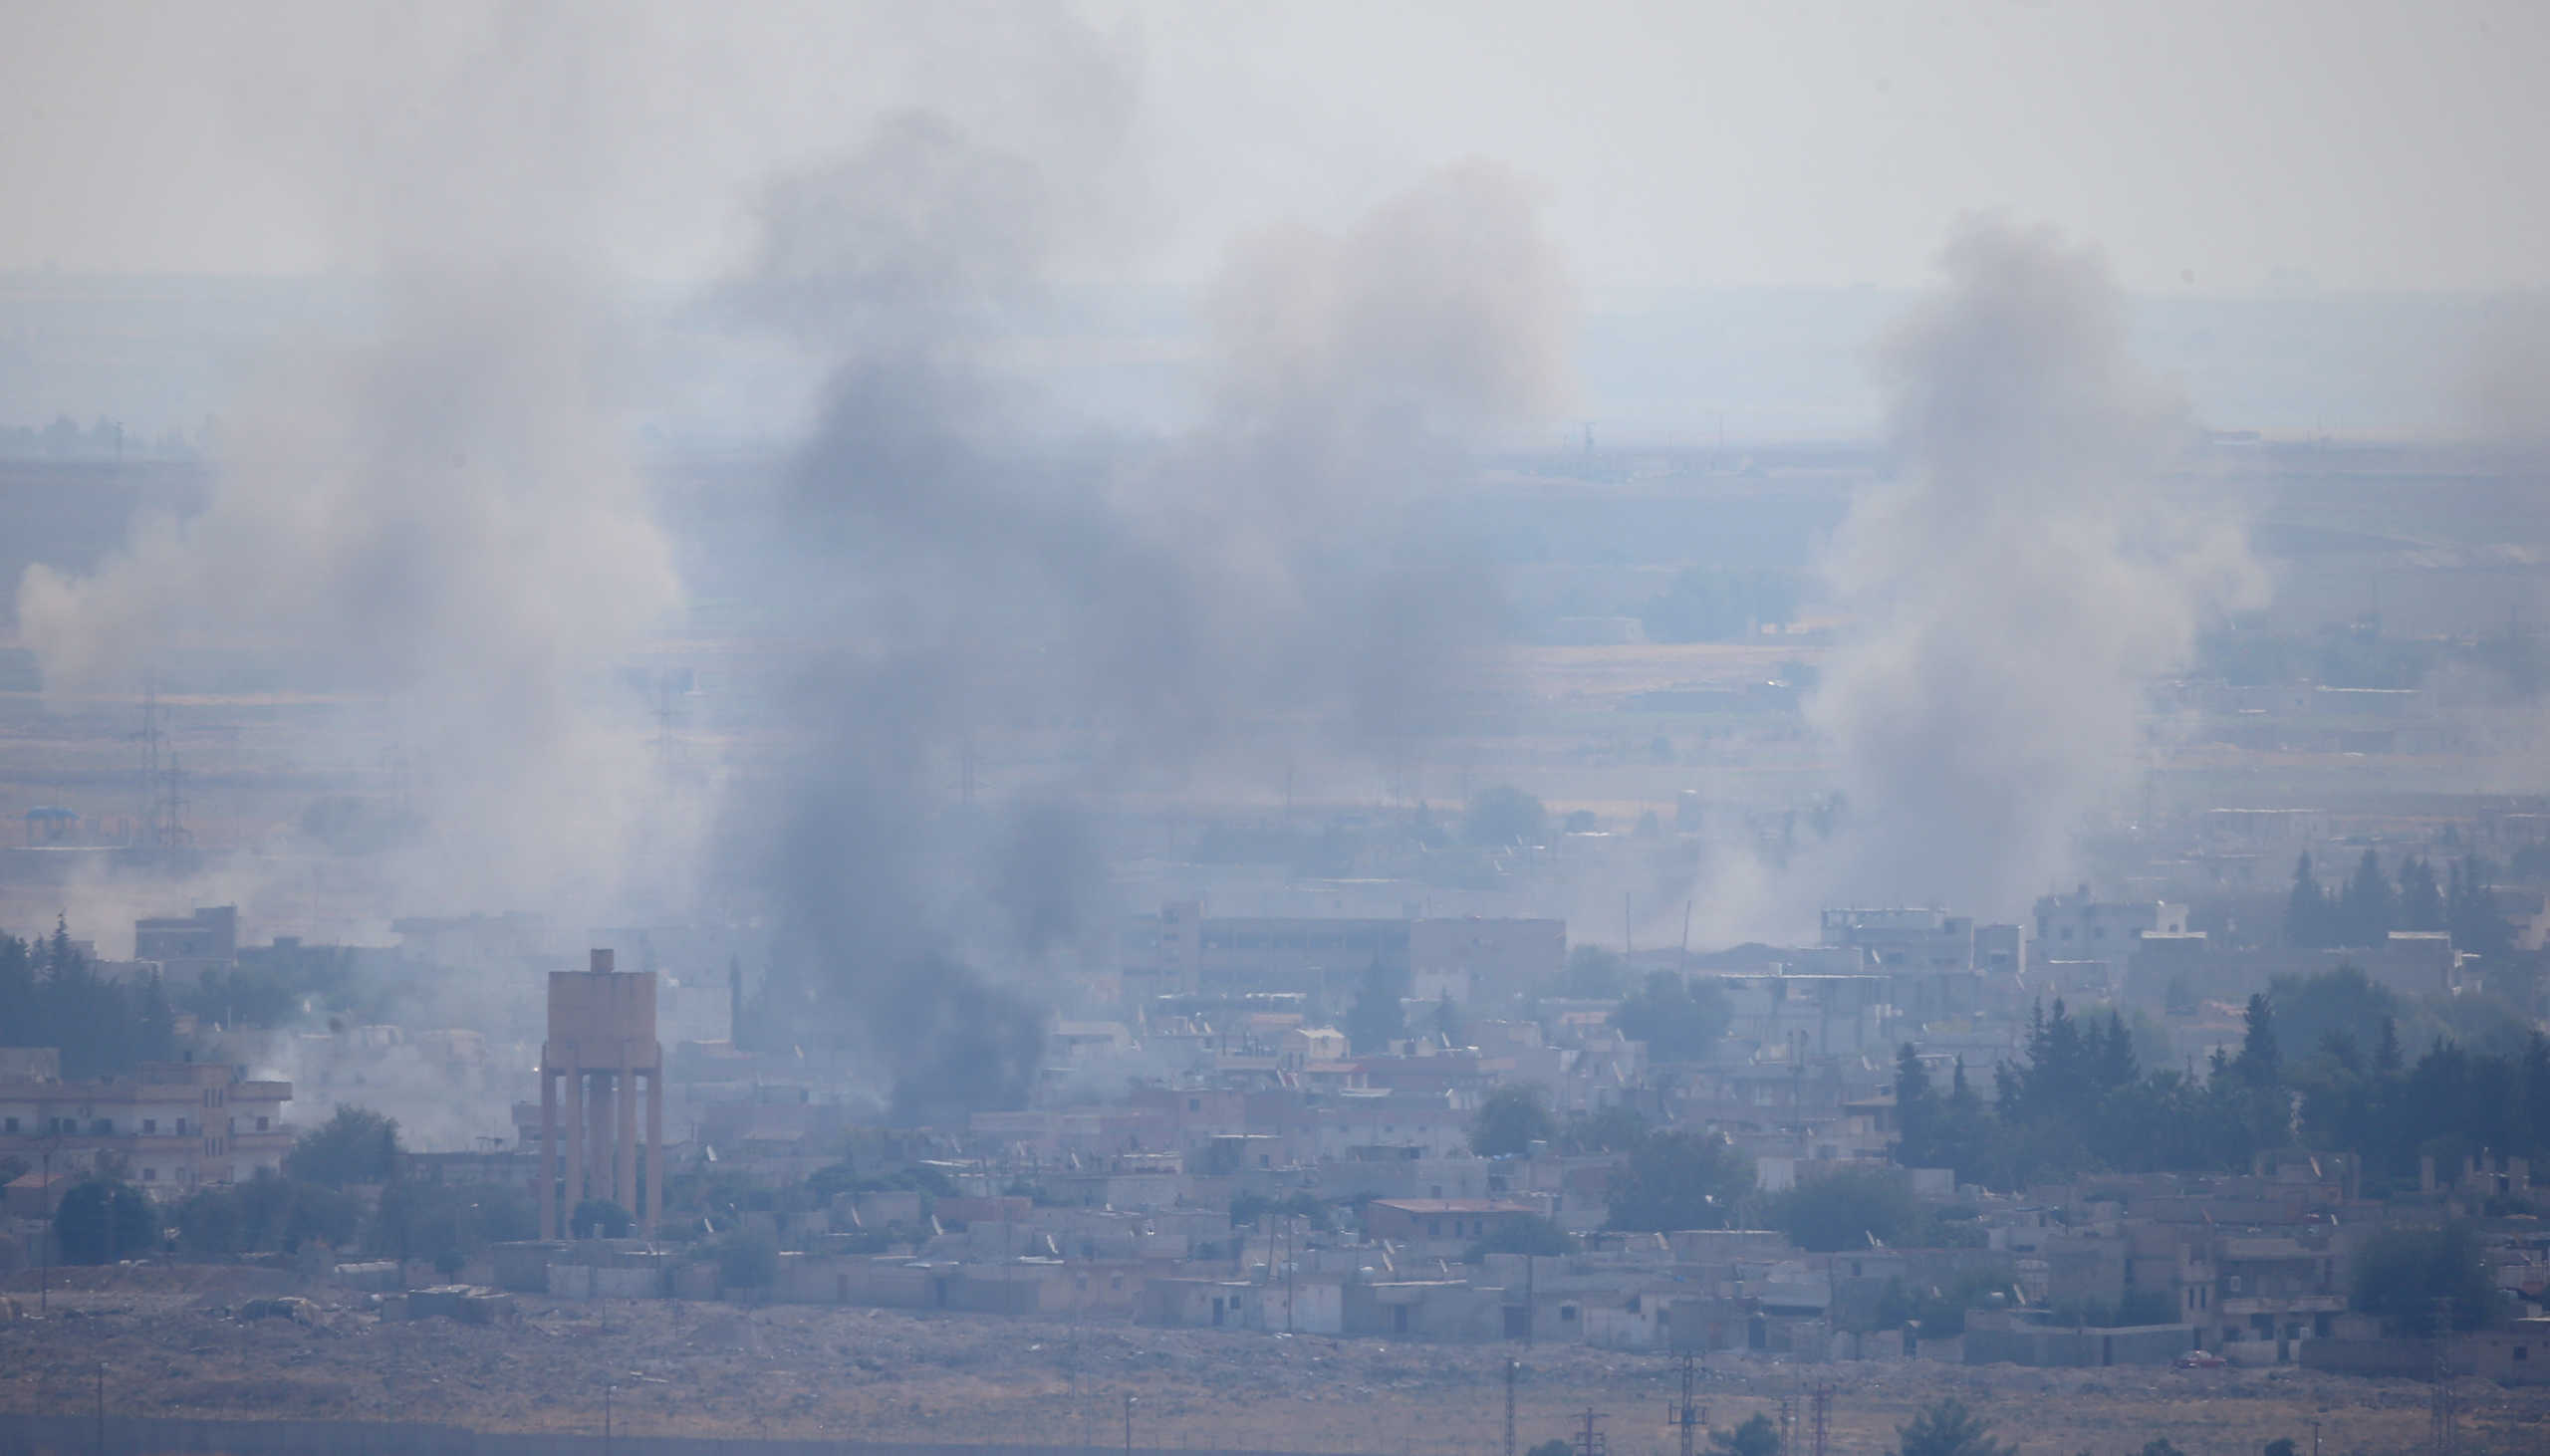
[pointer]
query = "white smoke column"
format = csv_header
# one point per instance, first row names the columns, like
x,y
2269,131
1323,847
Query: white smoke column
x,y
2015,586
435,516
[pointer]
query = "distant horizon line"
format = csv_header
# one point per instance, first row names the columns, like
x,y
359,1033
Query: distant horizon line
x,y
2263,292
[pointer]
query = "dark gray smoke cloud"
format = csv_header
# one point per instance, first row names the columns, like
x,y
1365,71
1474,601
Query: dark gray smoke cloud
x,y
1098,613
2030,568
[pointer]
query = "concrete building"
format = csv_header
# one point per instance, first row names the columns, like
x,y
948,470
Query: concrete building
x,y
172,1125
1444,1221
1829,1015
1181,951
602,1039
186,946
1899,940
1937,961
2079,927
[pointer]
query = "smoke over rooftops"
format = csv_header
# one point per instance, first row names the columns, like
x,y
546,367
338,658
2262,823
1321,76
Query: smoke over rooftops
x,y
2030,566
1218,601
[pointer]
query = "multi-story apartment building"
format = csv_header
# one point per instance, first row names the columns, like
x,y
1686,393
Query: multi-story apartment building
x,y
171,1126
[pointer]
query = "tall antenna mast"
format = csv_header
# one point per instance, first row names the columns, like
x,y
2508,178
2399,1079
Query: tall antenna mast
x,y
146,823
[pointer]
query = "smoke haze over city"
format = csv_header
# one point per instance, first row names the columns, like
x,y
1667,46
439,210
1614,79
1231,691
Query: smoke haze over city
x,y
998,699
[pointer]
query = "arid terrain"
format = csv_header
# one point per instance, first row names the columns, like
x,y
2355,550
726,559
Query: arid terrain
x,y
173,1346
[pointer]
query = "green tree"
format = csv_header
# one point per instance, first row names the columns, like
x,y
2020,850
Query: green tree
x,y
421,1220
1594,974
356,1146
2470,910
1894,1306
1375,1019
1677,1022
1679,1180
104,1220
270,1212
2366,910
2259,1064
2309,919
1946,1428
599,1218
1757,1436
2160,1446
1613,1128
748,1259
1511,1120
1912,1091
2340,1001
2280,1446
2420,898
1447,1021
1504,815
1849,1208
2401,1274
1554,1446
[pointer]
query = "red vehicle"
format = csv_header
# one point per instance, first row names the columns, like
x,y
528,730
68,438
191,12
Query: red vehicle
x,y
2200,1359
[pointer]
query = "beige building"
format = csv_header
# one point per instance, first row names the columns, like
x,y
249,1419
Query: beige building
x,y
602,1039
172,1126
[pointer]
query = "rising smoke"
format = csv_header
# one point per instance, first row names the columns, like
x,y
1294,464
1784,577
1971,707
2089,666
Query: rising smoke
x,y
2032,565
434,513
1094,612
439,513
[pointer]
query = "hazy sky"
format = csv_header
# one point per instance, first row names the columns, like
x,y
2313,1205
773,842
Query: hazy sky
x,y
2222,144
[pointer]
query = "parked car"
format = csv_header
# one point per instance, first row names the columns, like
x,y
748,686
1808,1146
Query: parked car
x,y
2200,1359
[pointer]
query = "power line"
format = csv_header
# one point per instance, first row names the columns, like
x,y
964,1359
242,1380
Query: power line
x,y
1687,1415
2443,1433
1590,1440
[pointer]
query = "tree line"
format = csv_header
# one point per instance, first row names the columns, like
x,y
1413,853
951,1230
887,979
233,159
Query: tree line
x,y
2081,1101
2078,1100
50,995
2367,905
312,1199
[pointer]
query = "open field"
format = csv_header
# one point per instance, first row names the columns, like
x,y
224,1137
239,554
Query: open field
x,y
803,1371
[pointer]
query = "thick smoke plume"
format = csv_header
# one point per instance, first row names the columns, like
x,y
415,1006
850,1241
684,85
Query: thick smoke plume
x,y
2029,568
1088,614
432,512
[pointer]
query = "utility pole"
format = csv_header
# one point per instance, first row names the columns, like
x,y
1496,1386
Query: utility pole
x,y
1514,1367
1820,1407
1788,1422
2315,1436
44,1240
1290,1229
102,1408
1687,1415
607,1387
1588,1440
149,827
2443,1434
1129,1425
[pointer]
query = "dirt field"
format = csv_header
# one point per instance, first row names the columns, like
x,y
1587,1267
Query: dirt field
x,y
793,1370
